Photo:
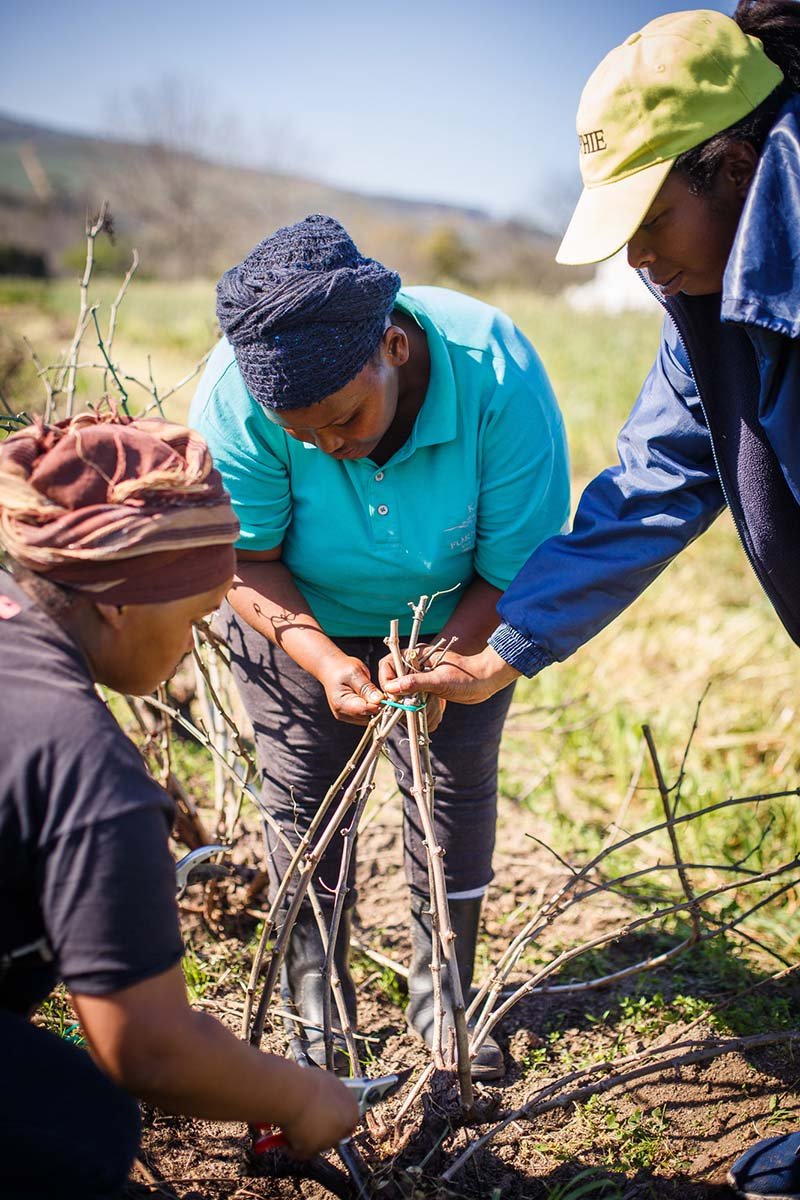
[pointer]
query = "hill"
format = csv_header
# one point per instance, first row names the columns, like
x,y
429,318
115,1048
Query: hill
x,y
189,215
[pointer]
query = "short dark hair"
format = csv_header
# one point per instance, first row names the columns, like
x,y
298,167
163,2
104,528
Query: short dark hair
x,y
777,24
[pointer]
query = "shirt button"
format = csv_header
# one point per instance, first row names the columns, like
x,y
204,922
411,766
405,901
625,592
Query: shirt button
x,y
378,476
383,510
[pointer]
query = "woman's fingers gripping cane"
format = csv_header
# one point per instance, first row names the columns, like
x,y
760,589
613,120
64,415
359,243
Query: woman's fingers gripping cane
x,y
351,694
465,678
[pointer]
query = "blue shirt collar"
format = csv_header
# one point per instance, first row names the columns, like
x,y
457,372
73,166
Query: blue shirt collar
x,y
437,420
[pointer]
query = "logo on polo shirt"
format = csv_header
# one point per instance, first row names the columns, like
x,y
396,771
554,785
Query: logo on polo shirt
x,y
590,143
464,531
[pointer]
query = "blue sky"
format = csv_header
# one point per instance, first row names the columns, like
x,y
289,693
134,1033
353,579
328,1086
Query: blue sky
x,y
471,101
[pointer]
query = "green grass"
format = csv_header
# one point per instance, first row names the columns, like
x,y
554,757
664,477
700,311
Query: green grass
x,y
712,988
163,327
389,983
596,365
631,1142
57,1015
586,1184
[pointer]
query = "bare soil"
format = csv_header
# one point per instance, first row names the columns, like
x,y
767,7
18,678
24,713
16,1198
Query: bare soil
x,y
671,1137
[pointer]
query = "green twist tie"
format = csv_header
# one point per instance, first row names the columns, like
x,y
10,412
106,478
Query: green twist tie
x,y
405,707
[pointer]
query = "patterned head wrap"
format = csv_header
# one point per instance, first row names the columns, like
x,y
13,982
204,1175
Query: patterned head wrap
x,y
304,312
127,511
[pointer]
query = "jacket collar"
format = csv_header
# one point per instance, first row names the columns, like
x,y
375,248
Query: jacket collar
x,y
762,279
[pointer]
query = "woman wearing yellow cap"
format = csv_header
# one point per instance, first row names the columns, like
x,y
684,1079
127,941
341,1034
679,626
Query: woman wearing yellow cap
x,y
689,147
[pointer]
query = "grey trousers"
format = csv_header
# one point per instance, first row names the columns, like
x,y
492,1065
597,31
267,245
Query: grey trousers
x,y
301,748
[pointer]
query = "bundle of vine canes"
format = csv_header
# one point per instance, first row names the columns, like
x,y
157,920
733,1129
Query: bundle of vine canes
x,y
353,788
339,816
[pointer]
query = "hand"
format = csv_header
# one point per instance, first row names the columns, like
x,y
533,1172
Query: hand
x,y
434,711
434,705
329,1113
351,694
465,678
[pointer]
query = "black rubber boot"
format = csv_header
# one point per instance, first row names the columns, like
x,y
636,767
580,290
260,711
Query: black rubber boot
x,y
465,919
303,972
769,1170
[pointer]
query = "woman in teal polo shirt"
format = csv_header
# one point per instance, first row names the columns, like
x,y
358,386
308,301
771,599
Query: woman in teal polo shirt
x,y
377,444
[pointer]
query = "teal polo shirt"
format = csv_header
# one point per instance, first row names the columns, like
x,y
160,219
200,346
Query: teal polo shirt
x,y
481,481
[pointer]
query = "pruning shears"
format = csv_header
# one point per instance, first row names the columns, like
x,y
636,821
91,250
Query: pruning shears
x,y
187,864
367,1092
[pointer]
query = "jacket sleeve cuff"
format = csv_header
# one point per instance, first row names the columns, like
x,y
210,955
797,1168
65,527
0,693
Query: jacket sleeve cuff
x,y
519,652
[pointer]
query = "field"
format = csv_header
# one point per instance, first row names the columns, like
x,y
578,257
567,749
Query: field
x,y
574,775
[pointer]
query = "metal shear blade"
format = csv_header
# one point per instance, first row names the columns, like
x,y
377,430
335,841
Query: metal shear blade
x,y
370,1092
185,866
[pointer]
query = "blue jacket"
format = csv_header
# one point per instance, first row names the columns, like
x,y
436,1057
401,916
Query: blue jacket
x,y
687,448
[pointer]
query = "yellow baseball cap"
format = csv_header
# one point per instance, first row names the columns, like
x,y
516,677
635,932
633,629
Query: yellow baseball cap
x,y
669,87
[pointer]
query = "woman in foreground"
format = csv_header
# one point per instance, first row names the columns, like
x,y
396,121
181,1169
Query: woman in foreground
x,y
119,536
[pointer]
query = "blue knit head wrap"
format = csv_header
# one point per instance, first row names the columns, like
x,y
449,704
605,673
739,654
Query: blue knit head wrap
x,y
304,312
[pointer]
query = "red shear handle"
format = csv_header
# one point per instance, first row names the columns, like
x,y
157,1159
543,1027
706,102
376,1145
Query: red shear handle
x,y
267,1138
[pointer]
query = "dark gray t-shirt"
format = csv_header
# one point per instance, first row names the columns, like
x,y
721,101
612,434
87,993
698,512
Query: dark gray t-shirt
x,y
84,859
